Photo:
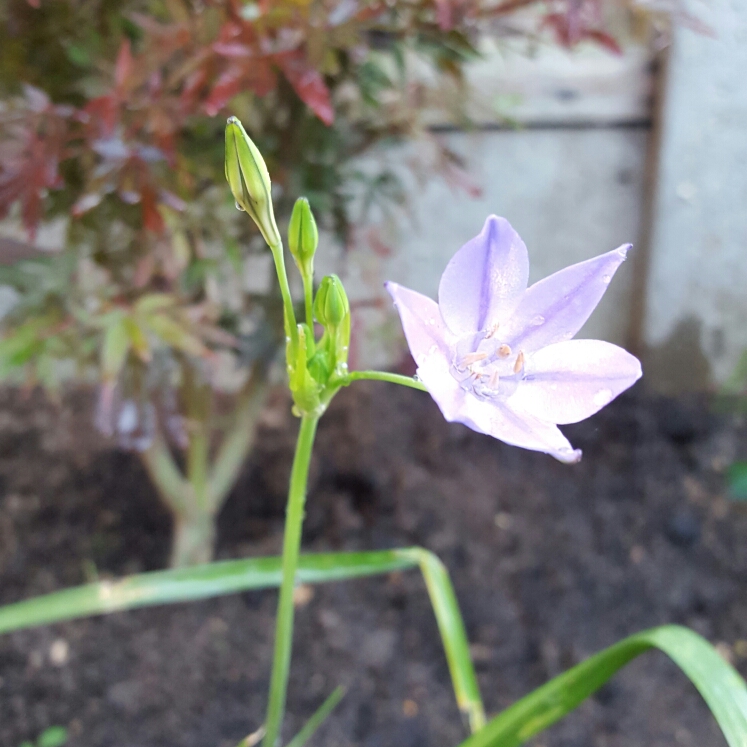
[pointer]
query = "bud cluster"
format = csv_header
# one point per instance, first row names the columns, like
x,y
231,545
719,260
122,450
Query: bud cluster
x,y
316,368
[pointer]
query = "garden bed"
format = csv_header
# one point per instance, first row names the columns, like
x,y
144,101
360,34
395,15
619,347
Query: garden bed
x,y
550,563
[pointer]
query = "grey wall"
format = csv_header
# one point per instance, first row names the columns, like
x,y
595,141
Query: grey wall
x,y
696,320
570,193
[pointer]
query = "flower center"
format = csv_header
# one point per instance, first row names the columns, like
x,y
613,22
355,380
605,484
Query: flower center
x,y
487,367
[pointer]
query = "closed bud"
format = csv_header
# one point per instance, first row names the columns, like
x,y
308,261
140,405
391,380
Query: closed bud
x,y
304,387
303,236
247,175
331,305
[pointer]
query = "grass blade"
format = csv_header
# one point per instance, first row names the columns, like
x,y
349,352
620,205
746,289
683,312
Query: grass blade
x,y
189,584
318,718
720,685
454,637
231,576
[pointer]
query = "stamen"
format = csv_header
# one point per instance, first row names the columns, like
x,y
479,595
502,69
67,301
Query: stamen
x,y
468,360
504,350
492,331
519,362
494,379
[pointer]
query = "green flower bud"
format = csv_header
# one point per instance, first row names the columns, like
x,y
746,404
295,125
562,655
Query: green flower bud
x,y
332,310
247,175
304,387
331,305
303,236
320,366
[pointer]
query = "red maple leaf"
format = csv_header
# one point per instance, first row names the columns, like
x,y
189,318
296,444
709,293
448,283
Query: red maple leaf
x,y
309,84
36,139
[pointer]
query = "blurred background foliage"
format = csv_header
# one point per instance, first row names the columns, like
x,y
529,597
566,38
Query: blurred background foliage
x,y
112,117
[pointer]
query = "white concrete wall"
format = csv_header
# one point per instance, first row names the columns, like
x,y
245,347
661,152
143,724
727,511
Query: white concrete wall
x,y
697,295
570,193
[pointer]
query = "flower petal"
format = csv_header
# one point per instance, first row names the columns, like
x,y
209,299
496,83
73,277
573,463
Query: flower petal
x,y
517,427
483,282
508,424
555,308
421,320
435,373
570,381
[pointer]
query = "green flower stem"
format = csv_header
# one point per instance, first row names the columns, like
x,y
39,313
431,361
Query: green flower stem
x,y
308,296
383,376
291,547
290,314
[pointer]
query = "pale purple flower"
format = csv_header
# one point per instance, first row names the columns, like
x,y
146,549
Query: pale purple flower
x,y
498,356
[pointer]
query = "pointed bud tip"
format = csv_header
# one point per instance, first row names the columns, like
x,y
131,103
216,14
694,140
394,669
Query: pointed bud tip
x,y
249,180
623,250
303,235
331,304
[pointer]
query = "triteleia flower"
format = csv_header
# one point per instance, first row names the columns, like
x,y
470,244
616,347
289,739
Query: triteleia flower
x,y
498,356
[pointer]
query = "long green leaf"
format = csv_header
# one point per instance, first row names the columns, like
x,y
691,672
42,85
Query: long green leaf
x,y
228,577
720,685
450,624
189,584
317,719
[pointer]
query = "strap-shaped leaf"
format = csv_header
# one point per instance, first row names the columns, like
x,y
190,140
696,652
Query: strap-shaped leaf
x,y
317,719
450,624
231,576
720,685
188,584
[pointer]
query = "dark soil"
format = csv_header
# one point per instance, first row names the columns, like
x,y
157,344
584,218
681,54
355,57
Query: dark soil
x,y
550,564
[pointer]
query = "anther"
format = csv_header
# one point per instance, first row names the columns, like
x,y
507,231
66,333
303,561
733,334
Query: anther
x,y
468,360
491,332
504,350
519,362
494,379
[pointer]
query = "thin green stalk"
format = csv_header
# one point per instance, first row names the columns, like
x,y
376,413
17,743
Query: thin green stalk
x,y
318,718
384,376
291,546
308,298
290,315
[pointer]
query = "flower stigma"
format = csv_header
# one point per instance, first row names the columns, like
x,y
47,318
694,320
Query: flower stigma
x,y
489,369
